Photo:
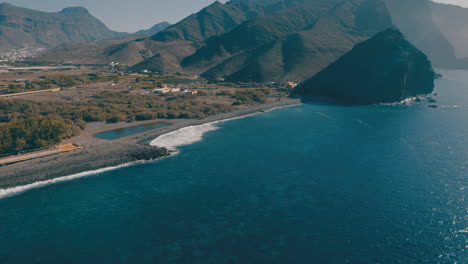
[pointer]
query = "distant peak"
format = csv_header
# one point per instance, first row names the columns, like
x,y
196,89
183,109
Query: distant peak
x,y
75,10
3,5
216,3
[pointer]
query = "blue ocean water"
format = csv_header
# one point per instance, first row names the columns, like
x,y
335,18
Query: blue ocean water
x,y
127,131
305,184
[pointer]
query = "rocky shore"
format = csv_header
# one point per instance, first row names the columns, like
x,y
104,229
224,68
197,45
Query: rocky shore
x,y
90,158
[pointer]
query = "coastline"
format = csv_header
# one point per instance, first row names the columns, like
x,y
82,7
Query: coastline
x,y
102,154
145,137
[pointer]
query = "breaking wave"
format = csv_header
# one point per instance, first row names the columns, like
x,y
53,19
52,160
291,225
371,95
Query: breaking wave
x,y
183,136
21,189
409,101
189,135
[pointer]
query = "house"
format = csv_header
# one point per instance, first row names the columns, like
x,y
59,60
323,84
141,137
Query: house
x,y
291,85
187,91
166,89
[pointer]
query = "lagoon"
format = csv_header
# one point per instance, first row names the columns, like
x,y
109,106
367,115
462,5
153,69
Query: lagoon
x,y
128,131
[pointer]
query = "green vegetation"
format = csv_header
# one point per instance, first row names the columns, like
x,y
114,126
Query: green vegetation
x,y
249,96
56,81
26,125
34,133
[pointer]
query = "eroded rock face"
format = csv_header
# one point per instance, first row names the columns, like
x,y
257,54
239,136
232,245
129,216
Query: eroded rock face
x,y
384,69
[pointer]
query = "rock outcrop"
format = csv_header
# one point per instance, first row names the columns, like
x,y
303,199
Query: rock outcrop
x,y
384,69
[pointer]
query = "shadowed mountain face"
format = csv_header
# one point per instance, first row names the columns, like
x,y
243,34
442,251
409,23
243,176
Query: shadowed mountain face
x,y
21,27
292,44
384,69
414,18
453,23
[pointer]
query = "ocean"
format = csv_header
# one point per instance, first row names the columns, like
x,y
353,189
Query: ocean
x,y
312,183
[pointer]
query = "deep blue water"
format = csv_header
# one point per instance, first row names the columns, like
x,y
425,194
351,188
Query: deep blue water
x,y
128,131
305,184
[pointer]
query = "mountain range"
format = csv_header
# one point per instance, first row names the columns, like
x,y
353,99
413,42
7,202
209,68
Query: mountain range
x,y
21,27
291,44
277,40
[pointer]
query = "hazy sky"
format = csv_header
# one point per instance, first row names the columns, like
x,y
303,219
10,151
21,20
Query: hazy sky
x,y
133,15
124,15
463,3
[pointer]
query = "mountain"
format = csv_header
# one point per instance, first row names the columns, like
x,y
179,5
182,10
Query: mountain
x,y
155,29
267,40
96,52
21,27
164,50
453,22
292,44
385,69
415,20
213,20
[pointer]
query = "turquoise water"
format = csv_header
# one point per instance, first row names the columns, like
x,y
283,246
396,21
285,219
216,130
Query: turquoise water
x,y
305,184
128,131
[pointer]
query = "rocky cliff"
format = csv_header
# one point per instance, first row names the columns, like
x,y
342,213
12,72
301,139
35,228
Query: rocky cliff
x,y
385,69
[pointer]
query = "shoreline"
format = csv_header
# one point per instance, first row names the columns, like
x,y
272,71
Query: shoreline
x,y
143,138
100,155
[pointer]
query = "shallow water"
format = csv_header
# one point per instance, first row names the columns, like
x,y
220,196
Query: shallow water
x,y
304,184
128,131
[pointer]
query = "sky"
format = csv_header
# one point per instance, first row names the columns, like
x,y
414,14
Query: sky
x,y
133,15
124,15
463,3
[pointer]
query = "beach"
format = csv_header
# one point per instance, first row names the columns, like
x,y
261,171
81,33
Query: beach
x,y
98,153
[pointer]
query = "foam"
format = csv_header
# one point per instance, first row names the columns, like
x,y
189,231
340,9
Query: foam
x,y
21,189
189,135
184,136
407,101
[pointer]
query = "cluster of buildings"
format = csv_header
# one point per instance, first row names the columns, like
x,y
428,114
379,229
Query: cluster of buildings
x,y
18,54
289,85
165,89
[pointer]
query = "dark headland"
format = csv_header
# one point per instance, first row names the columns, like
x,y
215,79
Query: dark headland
x,y
384,69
